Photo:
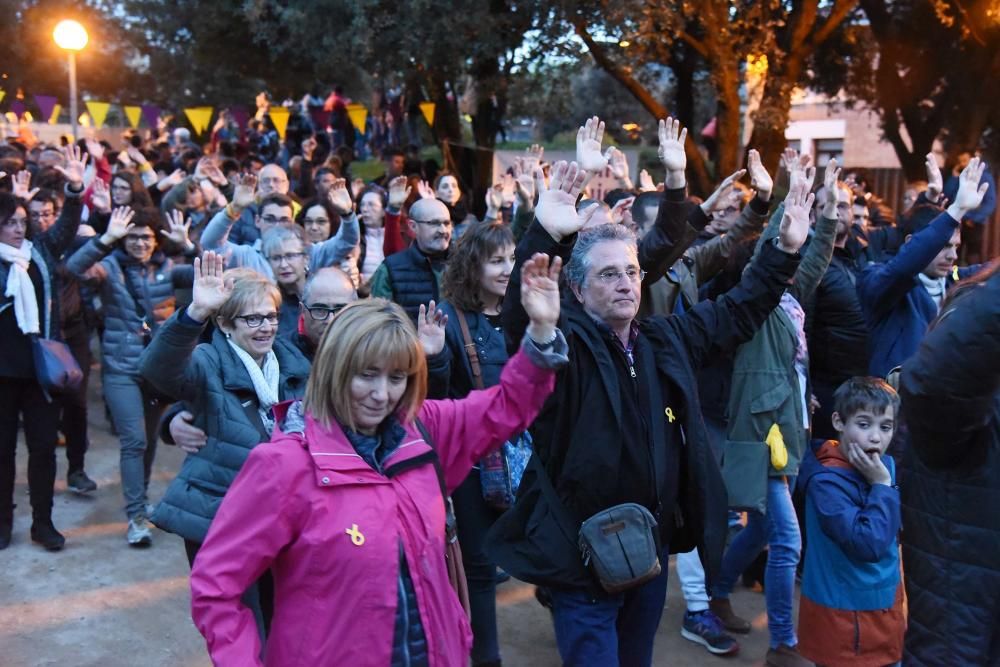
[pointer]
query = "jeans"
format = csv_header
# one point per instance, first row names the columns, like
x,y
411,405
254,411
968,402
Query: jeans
x,y
21,397
610,630
136,418
778,529
475,518
73,420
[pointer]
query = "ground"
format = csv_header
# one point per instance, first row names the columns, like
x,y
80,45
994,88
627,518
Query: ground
x,y
99,602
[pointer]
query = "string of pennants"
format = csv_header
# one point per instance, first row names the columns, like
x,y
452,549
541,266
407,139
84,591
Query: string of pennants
x,y
199,117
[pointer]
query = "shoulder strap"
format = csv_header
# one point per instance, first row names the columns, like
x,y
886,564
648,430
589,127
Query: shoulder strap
x,y
470,349
140,308
425,434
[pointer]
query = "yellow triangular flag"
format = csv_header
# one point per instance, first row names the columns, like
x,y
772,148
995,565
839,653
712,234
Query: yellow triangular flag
x,y
55,114
358,115
3,94
199,117
133,114
98,112
427,109
279,116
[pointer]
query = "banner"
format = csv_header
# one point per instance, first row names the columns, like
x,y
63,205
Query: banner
x,y
46,103
427,109
279,116
17,108
358,115
98,112
134,114
151,113
54,116
199,117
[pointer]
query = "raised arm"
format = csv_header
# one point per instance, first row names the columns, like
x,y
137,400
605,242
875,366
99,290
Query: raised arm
x,y
216,234
340,245
99,247
60,237
820,251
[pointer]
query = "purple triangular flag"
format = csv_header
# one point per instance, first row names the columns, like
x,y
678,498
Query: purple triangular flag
x,y
151,114
17,106
241,116
46,103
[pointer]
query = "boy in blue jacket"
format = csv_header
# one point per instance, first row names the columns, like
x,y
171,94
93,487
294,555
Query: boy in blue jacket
x,y
850,611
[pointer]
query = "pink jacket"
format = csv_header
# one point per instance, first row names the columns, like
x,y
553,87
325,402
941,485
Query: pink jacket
x,y
329,527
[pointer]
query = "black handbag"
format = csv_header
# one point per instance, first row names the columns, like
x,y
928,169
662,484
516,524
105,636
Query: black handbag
x,y
56,368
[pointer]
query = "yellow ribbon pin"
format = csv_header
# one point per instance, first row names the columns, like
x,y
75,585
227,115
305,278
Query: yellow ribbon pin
x,y
670,415
356,537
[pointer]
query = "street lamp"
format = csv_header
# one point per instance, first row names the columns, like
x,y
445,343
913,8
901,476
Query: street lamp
x,y
71,37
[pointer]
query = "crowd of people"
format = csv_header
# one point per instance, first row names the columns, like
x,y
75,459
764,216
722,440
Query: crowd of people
x,y
374,386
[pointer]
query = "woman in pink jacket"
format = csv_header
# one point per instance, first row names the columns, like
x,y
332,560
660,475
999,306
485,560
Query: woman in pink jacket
x,y
345,504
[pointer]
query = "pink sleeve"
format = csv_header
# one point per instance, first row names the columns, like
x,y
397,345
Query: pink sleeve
x,y
394,241
467,429
250,528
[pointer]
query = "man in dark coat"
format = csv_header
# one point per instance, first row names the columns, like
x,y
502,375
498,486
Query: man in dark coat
x,y
624,424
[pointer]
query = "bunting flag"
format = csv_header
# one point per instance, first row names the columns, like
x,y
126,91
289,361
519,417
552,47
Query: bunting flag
x,y
3,93
46,103
358,115
54,116
134,114
151,114
98,112
17,108
279,116
241,116
427,109
199,117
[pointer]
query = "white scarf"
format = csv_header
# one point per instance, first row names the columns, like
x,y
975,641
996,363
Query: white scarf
x,y
20,287
265,381
935,287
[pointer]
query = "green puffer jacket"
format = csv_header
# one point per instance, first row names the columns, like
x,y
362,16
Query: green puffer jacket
x,y
217,389
766,389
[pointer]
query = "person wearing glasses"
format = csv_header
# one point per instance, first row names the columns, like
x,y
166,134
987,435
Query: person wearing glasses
x,y
229,385
412,277
136,282
285,250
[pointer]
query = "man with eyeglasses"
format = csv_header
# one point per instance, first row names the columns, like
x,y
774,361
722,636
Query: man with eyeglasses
x,y
413,277
243,215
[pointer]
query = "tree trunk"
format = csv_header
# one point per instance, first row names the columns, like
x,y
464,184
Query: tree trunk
x,y
770,120
727,123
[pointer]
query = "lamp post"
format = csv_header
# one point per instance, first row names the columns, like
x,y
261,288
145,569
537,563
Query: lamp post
x,y
71,37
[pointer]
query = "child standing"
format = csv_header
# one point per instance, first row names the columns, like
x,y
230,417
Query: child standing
x,y
851,607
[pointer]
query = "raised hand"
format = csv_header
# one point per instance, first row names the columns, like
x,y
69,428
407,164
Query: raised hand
x,y
646,183
760,180
720,198
76,165
178,229
172,179
425,190
556,209
831,176
935,182
100,196
507,192
119,225
525,188
798,168
243,193
795,222
970,191
619,167
533,157
22,185
671,150
339,197
135,155
431,328
210,289
870,465
399,192
621,212
588,146
357,187
95,148
494,200
540,296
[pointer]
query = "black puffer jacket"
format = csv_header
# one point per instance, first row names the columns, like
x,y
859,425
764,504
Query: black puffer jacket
x,y
837,332
951,493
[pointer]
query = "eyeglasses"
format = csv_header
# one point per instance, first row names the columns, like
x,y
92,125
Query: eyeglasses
x,y
322,313
434,223
610,277
254,321
287,257
271,220
39,215
137,238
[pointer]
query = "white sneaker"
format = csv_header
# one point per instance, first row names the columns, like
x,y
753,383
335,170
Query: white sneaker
x,y
140,531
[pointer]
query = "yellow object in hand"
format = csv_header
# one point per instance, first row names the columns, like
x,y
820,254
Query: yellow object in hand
x,y
776,443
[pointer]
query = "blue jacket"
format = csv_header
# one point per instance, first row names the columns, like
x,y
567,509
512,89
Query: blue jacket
x,y
450,373
984,212
897,307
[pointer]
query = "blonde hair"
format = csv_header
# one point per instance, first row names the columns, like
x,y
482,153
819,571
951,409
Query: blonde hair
x,y
248,286
375,332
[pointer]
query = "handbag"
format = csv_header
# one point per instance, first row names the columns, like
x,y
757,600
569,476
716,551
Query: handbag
x,y
452,550
56,368
619,543
500,471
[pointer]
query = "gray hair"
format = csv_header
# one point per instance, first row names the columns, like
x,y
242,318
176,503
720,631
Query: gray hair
x,y
273,239
579,261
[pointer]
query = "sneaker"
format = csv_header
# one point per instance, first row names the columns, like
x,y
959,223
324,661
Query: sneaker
x,y
140,531
786,656
723,610
704,627
44,533
78,482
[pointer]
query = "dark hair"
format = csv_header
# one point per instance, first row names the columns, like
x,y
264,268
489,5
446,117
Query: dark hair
x,y
275,199
228,166
641,203
148,216
861,175
860,393
392,151
375,190
462,275
47,195
140,195
331,213
616,195
321,172
8,204
917,218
